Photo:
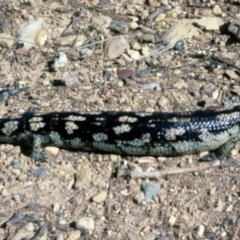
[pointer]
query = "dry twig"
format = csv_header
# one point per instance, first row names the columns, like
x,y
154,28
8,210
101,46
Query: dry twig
x,y
159,174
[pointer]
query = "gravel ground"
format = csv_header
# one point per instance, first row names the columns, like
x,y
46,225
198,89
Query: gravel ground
x,y
155,55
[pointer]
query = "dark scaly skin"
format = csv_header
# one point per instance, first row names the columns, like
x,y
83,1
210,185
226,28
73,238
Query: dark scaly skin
x,y
126,133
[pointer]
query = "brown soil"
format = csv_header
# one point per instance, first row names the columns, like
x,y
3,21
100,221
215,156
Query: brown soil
x,y
77,195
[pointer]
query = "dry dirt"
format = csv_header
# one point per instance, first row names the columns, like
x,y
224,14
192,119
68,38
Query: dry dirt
x,y
77,195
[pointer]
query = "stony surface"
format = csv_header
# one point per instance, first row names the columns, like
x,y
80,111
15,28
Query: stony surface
x,y
120,56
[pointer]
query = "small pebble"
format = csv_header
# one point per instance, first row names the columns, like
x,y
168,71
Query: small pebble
x,y
139,198
124,73
150,86
179,46
143,73
56,207
85,224
16,163
217,10
150,190
119,27
52,150
133,54
69,79
234,28
60,60
16,198
100,197
200,231
85,52
115,47
82,177
189,160
145,38
43,75
172,220
40,172
73,235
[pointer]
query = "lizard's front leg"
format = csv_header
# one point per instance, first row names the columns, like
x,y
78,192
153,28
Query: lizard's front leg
x,y
37,153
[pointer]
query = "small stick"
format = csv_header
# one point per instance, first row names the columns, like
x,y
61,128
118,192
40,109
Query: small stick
x,y
226,61
158,174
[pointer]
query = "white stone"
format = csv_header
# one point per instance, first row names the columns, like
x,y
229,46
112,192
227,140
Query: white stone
x,y
86,224
60,60
133,54
133,25
100,197
200,231
217,10
164,2
172,220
